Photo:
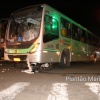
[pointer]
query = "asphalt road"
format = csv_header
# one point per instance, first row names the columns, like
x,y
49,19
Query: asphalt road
x,y
80,81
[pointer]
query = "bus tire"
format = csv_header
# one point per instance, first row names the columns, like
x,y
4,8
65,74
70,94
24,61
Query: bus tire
x,y
65,59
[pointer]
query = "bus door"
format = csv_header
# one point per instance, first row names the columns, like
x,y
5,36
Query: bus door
x,y
51,38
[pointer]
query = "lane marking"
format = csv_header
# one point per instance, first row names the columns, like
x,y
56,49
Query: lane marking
x,y
58,92
12,91
95,88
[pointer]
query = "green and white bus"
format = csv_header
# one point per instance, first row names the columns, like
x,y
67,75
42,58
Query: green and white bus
x,y
42,36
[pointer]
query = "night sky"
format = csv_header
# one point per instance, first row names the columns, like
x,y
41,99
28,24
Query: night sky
x,y
85,12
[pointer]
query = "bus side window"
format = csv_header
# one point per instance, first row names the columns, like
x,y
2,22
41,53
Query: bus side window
x,y
96,42
88,40
86,37
63,31
75,33
91,40
65,28
51,31
68,30
51,25
82,37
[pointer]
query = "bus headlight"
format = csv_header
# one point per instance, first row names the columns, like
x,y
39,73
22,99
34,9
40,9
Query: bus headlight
x,y
34,48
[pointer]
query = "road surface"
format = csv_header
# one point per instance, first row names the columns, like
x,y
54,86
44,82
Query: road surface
x,y
80,81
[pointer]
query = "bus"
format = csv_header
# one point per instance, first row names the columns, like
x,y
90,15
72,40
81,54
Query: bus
x,y
42,36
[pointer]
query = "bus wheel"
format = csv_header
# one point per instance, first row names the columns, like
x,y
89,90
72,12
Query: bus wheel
x,y
46,66
65,59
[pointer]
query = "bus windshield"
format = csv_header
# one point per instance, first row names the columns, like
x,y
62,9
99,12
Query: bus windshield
x,y
24,28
